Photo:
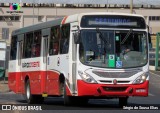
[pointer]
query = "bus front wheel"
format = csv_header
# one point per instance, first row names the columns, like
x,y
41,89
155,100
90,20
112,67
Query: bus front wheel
x,y
32,99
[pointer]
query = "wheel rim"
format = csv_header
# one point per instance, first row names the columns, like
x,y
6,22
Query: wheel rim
x,y
28,91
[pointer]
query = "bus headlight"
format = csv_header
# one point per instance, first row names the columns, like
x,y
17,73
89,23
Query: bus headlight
x,y
86,77
141,79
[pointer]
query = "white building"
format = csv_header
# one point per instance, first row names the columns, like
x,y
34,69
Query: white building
x,y
29,14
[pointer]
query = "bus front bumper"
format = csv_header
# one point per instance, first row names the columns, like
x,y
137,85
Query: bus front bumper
x,y
118,90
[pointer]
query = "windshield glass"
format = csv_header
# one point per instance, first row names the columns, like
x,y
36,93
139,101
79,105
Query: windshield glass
x,y
113,49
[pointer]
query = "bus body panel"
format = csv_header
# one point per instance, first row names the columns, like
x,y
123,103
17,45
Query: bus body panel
x,y
53,84
36,82
12,83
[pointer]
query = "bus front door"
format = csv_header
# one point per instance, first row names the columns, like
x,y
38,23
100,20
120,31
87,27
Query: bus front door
x,y
19,68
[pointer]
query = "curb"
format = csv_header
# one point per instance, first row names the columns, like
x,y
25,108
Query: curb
x,y
155,72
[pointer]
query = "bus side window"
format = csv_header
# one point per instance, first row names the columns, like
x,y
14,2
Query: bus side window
x,y
28,45
64,42
13,48
36,44
54,41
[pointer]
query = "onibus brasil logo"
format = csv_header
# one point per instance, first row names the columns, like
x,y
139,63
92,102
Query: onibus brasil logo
x,y
14,8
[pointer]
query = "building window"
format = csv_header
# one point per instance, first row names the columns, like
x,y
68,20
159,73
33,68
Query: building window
x,y
40,18
10,18
154,18
158,18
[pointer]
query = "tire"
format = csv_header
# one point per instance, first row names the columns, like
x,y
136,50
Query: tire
x,y
32,99
123,101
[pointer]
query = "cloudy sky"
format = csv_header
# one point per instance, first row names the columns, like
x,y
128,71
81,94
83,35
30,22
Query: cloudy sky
x,y
144,2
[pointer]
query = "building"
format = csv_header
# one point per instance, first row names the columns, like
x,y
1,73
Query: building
x,y
30,14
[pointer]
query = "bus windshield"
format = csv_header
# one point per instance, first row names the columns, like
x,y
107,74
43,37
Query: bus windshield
x,y
113,49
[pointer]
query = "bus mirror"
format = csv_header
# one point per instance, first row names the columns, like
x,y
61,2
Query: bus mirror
x,y
76,38
150,45
149,40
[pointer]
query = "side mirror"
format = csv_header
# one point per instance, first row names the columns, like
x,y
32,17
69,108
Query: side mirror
x,y
149,40
76,38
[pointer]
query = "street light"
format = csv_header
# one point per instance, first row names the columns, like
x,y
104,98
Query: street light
x,y
33,12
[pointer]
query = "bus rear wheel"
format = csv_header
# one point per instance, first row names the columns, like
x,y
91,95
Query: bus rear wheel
x,y
123,101
30,98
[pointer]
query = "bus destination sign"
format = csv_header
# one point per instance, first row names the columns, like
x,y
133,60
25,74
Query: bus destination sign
x,y
113,21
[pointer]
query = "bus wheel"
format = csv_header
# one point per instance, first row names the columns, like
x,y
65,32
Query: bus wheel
x,y
123,101
32,99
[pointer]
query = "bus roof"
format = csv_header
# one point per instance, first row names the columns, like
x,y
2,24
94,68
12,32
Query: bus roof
x,y
67,19
38,26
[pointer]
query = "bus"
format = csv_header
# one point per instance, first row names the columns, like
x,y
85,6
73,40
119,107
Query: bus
x,y
80,57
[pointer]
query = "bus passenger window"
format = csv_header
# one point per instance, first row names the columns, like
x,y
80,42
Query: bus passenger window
x,y
13,48
28,45
54,41
36,44
64,42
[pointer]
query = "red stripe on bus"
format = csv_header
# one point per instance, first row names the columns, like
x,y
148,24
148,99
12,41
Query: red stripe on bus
x,y
64,20
39,81
88,89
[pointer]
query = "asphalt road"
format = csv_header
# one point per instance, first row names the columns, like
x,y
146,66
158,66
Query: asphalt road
x,y
55,104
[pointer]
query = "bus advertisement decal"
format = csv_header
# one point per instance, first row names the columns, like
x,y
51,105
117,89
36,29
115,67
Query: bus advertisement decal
x,y
30,64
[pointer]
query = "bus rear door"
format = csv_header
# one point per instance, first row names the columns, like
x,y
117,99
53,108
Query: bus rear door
x,y
45,46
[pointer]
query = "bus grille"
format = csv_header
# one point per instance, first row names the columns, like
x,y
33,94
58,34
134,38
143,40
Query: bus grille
x,y
115,74
109,81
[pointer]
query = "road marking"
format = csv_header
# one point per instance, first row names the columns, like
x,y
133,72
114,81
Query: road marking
x,y
155,74
151,94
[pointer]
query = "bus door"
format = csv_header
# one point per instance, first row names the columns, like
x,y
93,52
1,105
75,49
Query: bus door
x,y
19,68
45,47
75,31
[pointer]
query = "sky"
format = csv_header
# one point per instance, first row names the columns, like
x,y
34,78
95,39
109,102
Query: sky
x,y
144,2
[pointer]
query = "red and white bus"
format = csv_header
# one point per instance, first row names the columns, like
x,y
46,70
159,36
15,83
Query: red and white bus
x,y
82,56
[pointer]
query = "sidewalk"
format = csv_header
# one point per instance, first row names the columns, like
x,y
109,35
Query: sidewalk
x,y
155,72
4,86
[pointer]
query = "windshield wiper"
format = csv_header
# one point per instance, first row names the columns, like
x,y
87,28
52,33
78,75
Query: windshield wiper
x,y
127,35
101,37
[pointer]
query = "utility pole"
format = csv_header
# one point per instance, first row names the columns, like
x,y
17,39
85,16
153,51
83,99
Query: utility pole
x,y
33,13
131,6
56,12
107,5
